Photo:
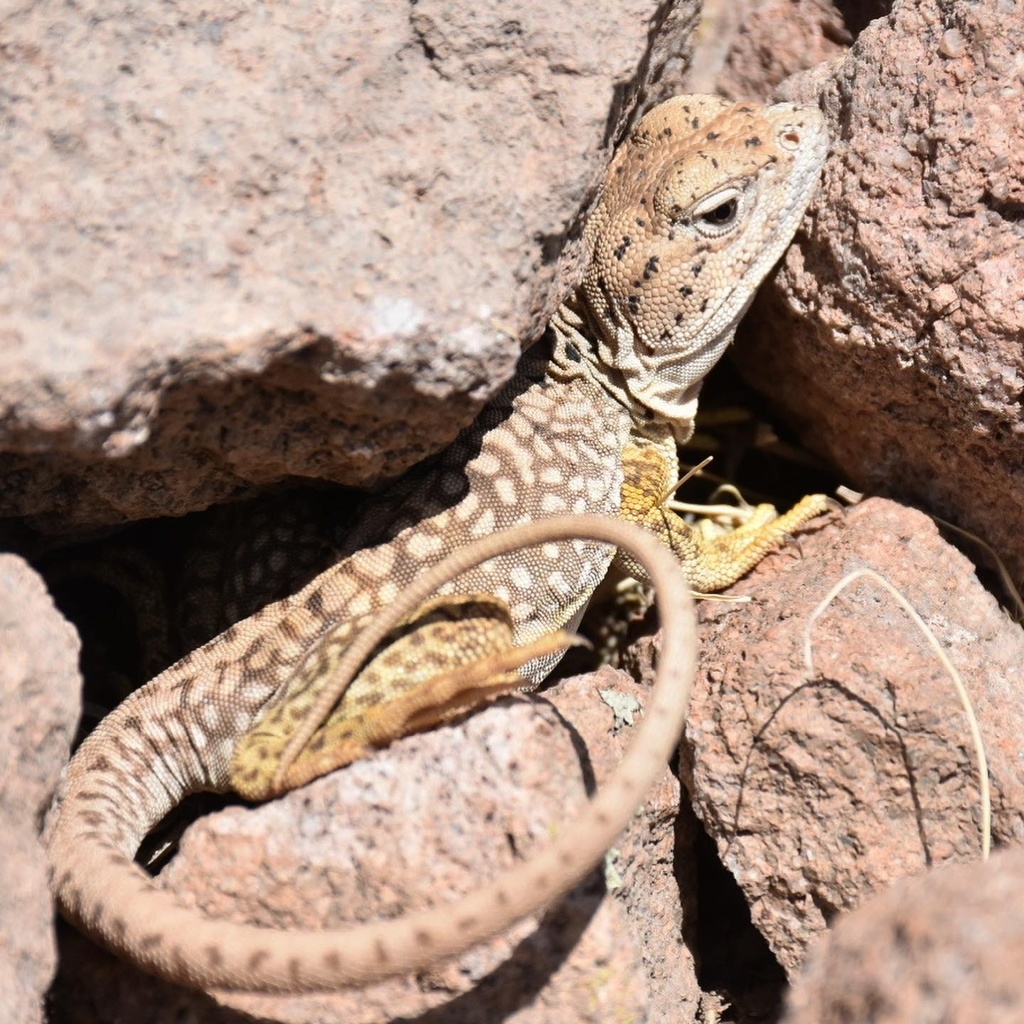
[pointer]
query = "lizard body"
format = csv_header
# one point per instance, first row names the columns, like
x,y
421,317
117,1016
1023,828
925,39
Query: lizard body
x,y
696,208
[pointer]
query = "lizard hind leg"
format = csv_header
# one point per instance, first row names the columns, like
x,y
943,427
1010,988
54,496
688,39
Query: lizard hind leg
x,y
454,654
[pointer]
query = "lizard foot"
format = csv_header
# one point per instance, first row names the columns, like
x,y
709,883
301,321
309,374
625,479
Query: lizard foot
x,y
713,559
714,562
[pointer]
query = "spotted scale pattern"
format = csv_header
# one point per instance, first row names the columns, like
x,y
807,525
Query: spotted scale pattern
x,y
548,445
178,734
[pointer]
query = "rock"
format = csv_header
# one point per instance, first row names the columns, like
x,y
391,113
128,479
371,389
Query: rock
x,y
944,947
419,824
255,245
747,48
782,37
821,788
894,342
39,695
720,21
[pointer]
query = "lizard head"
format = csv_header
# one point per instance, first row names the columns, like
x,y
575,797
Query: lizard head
x,y
696,208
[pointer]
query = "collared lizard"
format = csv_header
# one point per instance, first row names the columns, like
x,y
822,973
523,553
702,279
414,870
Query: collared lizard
x,y
696,207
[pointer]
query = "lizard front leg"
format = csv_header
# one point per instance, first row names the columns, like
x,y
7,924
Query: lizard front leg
x,y
711,562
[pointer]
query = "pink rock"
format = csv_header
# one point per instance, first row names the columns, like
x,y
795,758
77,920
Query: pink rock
x,y
822,788
894,341
782,37
241,247
944,947
39,698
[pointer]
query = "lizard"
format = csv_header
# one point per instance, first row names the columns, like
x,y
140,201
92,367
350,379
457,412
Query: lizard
x,y
566,470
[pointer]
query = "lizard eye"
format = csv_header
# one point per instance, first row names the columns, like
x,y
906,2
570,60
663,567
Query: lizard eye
x,y
717,214
722,215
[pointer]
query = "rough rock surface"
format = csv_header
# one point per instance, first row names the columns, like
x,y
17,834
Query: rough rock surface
x,y
259,244
895,342
823,787
945,947
782,37
417,825
746,48
720,20
39,692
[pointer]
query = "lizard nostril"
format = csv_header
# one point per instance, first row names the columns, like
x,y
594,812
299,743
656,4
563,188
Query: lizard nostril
x,y
790,138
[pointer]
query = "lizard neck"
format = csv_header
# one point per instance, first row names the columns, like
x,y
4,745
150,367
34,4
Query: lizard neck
x,y
576,350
